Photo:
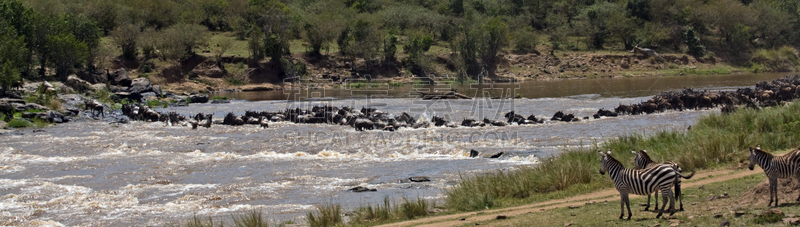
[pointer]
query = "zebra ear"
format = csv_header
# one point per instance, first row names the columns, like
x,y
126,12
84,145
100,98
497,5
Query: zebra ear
x,y
609,152
633,152
645,151
600,152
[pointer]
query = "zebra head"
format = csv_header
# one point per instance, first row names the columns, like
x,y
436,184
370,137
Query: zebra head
x,y
754,155
642,159
604,158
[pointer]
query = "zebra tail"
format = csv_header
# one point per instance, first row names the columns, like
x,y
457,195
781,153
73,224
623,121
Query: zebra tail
x,y
689,176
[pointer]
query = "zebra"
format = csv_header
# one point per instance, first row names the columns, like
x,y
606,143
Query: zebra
x,y
640,182
643,161
775,167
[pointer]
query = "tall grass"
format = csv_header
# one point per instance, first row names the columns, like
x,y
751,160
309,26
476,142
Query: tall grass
x,y
385,212
784,59
716,140
326,215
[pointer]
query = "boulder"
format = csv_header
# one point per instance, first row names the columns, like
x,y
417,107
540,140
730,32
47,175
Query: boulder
x,y
94,77
362,189
51,116
140,85
198,98
120,78
127,95
78,84
419,179
157,90
149,95
99,87
3,125
28,107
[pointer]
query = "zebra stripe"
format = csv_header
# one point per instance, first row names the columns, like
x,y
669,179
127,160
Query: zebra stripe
x,y
640,182
776,167
643,161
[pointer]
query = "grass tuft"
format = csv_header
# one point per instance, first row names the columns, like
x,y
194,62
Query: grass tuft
x,y
326,215
251,218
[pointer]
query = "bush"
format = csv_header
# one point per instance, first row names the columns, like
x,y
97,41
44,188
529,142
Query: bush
x,y
19,123
126,37
784,59
179,41
695,48
525,41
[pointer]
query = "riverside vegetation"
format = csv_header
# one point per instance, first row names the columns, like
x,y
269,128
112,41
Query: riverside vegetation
x,y
717,140
196,44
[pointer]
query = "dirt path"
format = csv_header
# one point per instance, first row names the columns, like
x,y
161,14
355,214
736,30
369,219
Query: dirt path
x,y
701,178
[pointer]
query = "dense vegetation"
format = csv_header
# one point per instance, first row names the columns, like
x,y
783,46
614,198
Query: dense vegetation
x,y
63,35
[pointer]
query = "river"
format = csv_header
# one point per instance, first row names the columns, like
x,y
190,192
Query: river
x,y
94,173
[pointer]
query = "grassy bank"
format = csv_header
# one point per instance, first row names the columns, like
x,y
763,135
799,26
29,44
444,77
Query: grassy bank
x,y
701,210
716,140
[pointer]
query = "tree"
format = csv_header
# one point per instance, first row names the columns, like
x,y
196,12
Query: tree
x,y
639,9
274,19
390,48
9,77
126,37
178,41
693,42
65,53
494,37
12,57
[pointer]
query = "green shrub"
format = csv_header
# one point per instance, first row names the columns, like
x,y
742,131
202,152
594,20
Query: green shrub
x,y
769,216
19,123
784,59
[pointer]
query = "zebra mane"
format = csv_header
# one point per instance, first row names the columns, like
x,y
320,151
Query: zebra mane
x,y
761,152
646,156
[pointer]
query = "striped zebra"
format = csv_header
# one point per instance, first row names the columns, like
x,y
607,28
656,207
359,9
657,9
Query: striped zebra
x,y
643,161
640,182
785,166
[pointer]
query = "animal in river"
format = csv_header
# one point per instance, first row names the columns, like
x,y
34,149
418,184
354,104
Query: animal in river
x,y
640,182
643,161
94,105
776,167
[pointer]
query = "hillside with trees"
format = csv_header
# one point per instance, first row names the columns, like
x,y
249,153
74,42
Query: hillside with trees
x,y
235,42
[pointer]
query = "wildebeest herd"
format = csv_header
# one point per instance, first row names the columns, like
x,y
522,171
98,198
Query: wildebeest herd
x,y
764,94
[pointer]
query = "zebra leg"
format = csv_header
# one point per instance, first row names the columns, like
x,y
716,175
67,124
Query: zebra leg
x,y
623,198
665,198
668,195
648,203
678,194
656,199
773,182
798,196
628,204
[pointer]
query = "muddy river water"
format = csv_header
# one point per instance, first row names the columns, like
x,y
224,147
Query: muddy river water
x,y
94,173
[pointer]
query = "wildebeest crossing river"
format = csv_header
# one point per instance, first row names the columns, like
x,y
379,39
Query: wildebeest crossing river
x,y
91,172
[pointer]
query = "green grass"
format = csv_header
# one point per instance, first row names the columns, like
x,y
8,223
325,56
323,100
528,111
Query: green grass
x,y
369,215
716,140
19,123
700,210
251,218
326,215
784,59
